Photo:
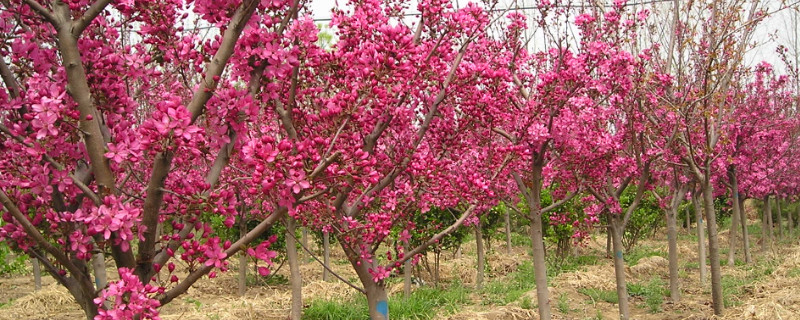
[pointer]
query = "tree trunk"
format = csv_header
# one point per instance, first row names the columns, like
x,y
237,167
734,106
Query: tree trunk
x,y
436,268
790,221
508,232
672,239
619,266
770,227
713,245
326,255
407,278
779,222
534,202
304,241
765,223
732,234
294,280
378,301
688,220
745,233
701,239
481,256
242,260
37,274
608,243
99,266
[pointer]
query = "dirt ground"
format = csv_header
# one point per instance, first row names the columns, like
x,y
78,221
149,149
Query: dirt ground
x,y
772,297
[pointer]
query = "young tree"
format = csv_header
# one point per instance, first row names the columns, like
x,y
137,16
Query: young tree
x,y
125,121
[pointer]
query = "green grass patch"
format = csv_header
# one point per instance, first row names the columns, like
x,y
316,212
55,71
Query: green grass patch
x,y
520,240
526,303
794,272
653,293
609,296
563,304
634,255
424,303
505,291
734,287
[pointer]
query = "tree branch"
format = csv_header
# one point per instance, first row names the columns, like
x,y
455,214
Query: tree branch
x,y
94,10
233,249
42,11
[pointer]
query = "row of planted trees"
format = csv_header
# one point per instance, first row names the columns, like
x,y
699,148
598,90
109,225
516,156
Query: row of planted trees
x,y
126,124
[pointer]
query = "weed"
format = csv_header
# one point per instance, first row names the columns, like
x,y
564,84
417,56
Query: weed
x,y
563,303
653,293
632,256
526,303
423,303
609,296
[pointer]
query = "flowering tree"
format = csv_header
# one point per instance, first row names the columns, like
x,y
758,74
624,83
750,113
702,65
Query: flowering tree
x,y
122,126
706,61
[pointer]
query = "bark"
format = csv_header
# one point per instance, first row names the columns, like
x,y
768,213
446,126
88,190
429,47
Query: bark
x,y
481,256
688,220
407,278
326,255
37,274
778,214
770,226
295,281
765,223
713,246
304,241
378,302
732,235
377,299
508,232
533,198
790,221
99,266
242,260
619,266
608,243
745,233
672,239
701,239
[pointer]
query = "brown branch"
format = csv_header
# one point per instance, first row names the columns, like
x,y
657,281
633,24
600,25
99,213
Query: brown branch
x,y
233,249
94,10
42,11
432,240
31,231
163,161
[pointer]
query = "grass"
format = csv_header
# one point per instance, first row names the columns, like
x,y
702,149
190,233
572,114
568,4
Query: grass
x,y
734,287
270,280
526,303
507,290
563,304
653,293
635,254
424,303
609,296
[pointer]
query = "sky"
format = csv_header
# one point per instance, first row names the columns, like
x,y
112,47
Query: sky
x,y
776,29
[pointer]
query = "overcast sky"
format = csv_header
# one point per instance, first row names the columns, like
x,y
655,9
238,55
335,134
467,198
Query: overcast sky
x,y
770,33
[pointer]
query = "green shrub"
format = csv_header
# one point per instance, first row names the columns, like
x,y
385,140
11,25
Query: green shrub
x,y
11,263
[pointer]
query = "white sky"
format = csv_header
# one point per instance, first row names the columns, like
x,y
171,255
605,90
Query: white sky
x,y
770,33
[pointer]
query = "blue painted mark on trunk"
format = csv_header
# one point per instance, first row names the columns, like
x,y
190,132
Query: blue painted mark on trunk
x,y
383,308
618,254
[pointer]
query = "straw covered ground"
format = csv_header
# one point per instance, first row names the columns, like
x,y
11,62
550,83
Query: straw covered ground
x,y
765,289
